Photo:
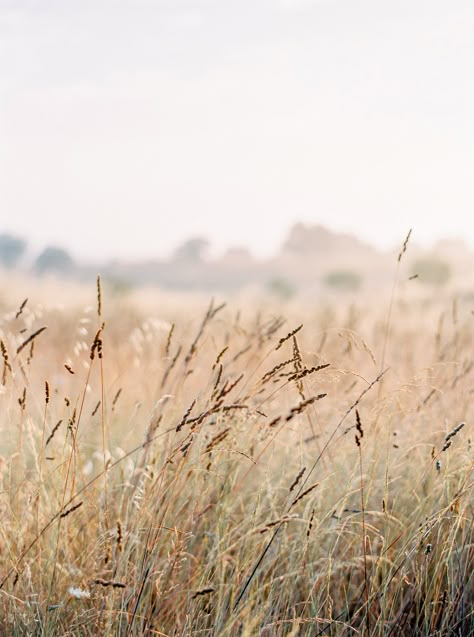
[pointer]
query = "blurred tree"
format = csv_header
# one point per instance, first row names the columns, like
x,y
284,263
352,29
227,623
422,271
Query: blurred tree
x,y
343,280
54,259
192,250
432,270
280,287
11,250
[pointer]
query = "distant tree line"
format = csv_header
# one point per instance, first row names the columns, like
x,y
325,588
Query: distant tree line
x,y
189,266
51,259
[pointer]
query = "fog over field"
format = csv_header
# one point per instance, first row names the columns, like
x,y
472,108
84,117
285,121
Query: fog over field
x,y
127,127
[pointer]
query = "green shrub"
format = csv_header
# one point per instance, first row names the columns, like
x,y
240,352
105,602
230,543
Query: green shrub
x,y
281,288
343,280
432,271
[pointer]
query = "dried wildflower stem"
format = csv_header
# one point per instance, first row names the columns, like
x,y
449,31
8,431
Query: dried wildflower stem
x,y
170,366
22,307
51,435
168,340
392,299
67,512
277,368
358,437
71,461
209,315
6,363
297,479
102,405
41,463
304,494
30,339
283,340
218,438
98,345
219,357
99,298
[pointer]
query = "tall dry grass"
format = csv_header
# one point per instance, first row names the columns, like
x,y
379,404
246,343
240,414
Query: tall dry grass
x,y
203,470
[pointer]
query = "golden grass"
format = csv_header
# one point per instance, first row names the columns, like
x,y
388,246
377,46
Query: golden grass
x,y
174,469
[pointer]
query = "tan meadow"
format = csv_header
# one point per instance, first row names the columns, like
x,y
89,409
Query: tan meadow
x,y
173,465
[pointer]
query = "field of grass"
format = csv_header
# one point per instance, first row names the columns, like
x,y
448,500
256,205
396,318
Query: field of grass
x,y
170,467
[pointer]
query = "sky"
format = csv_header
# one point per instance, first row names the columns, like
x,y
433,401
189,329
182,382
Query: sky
x,y
128,126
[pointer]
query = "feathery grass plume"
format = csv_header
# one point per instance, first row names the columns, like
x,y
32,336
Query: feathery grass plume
x,y
154,424
229,386
31,338
218,438
119,536
283,340
297,479
219,357
303,405
404,247
72,422
360,432
105,583
359,424
170,366
116,397
310,523
279,522
96,345
277,368
46,391
202,591
53,432
168,340
78,593
22,307
184,419
266,332
70,510
185,448
240,353
67,401
69,368
466,370
198,420
96,409
233,407
455,431
22,399
298,365
448,439
6,363
216,384
107,551
307,371
31,353
210,314
275,421
99,297
304,494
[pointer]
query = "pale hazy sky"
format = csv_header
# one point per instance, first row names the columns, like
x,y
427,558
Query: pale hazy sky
x,y
127,126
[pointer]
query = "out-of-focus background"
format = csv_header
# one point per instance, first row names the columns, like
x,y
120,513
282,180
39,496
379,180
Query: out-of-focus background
x,y
287,145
